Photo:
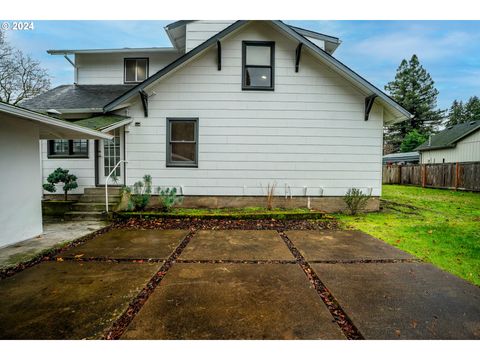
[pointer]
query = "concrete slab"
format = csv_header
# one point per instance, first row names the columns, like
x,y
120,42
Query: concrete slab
x,y
343,245
131,244
68,300
404,300
234,301
55,234
236,245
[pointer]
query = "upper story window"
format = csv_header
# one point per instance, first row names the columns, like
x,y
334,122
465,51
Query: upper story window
x,y
258,65
136,70
68,148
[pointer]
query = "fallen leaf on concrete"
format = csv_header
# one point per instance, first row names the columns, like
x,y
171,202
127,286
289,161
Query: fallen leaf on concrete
x,y
59,259
78,256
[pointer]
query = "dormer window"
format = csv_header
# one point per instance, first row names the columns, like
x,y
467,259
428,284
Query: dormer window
x,y
258,65
136,70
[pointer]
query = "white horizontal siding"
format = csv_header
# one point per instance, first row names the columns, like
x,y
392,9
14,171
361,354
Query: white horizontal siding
x,y
199,31
95,69
83,169
309,132
466,150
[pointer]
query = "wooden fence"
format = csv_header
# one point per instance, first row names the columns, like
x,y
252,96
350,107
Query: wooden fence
x,y
461,176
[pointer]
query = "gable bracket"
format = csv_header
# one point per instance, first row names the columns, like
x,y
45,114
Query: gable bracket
x,y
368,105
219,55
144,98
298,53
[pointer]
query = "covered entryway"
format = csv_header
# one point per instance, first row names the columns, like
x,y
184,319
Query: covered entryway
x,y
109,152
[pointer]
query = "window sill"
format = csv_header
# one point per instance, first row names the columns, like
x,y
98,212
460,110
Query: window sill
x,y
246,88
67,156
182,165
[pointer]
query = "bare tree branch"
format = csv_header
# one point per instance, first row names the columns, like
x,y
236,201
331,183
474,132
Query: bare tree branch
x,y
21,77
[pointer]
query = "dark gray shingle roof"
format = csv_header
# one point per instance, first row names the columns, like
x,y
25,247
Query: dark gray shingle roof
x,y
76,97
450,136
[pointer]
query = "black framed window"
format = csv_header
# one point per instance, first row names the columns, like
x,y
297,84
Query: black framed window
x,y
182,142
136,70
258,65
68,148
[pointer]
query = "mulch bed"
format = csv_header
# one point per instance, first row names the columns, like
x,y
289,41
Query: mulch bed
x,y
225,224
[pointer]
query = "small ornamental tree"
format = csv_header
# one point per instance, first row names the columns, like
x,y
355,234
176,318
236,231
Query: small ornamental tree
x,y
61,176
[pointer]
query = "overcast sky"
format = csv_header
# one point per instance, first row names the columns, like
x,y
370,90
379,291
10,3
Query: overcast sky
x,y
449,50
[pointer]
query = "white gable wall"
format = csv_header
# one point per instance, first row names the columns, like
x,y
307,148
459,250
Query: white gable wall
x,y
99,69
309,132
467,149
199,31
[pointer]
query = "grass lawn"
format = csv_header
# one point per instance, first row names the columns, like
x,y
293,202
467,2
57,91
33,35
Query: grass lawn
x,y
438,226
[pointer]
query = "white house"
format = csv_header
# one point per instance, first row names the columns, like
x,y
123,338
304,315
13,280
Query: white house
x,y
232,107
20,180
459,143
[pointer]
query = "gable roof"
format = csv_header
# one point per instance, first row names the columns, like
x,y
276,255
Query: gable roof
x,y
399,113
49,127
449,137
78,98
172,66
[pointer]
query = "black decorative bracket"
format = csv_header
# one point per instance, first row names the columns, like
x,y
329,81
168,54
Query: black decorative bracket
x,y
144,97
368,105
219,55
298,53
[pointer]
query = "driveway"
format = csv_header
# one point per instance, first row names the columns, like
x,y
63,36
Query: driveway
x,y
237,284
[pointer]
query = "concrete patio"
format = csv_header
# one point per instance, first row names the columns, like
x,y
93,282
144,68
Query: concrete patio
x,y
238,284
55,234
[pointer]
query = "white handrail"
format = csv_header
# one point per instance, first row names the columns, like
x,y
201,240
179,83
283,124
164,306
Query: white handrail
x,y
106,183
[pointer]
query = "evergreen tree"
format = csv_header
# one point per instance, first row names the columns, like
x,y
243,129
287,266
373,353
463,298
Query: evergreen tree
x,y
456,113
460,112
414,89
412,140
472,109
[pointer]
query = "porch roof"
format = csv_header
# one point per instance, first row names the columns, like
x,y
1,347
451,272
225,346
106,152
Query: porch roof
x,y
104,123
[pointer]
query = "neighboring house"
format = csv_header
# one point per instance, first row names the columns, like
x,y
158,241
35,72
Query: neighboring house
x,y
412,157
20,183
459,143
232,107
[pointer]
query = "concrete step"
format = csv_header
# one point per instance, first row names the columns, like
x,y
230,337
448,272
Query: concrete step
x,y
112,199
91,206
101,191
85,215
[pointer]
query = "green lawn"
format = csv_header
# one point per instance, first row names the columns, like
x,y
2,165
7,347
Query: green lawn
x,y
438,226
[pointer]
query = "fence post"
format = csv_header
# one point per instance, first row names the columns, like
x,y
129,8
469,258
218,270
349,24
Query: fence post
x,y
400,174
424,174
457,171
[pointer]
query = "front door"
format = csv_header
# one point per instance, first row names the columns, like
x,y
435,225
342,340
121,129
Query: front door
x,y
110,153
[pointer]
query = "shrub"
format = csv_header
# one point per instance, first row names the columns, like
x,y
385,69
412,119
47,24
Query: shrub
x,y
61,176
139,196
168,198
356,200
